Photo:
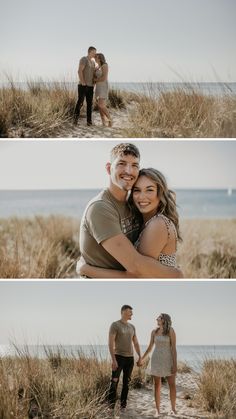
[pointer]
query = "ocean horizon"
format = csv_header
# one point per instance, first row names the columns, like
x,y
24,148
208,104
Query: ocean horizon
x,y
192,355
217,88
192,203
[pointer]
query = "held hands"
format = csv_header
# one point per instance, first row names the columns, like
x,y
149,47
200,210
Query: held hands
x,y
140,362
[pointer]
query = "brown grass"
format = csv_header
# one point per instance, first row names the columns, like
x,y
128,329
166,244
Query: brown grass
x,y
48,247
217,387
58,386
182,113
208,249
42,247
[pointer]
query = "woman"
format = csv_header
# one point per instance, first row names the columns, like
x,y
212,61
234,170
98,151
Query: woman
x,y
155,205
101,89
163,360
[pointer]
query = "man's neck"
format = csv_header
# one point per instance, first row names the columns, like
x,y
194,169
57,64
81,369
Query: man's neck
x,y
124,320
118,193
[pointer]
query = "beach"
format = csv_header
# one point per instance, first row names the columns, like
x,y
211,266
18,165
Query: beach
x,y
46,110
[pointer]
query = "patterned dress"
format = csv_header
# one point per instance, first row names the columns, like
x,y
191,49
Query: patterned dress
x,y
164,259
161,359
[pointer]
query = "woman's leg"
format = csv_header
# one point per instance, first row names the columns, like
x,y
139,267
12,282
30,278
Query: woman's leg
x,y
101,112
172,387
104,110
157,392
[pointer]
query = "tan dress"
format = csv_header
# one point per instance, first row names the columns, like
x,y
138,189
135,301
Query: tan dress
x,y
101,89
161,360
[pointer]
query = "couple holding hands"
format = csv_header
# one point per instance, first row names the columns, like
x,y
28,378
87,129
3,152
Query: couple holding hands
x,y
163,363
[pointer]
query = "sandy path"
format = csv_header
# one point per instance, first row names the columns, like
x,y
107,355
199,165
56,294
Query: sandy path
x,y
120,121
141,402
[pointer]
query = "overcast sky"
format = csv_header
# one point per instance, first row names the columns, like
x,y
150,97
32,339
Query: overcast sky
x,y
81,312
154,40
76,164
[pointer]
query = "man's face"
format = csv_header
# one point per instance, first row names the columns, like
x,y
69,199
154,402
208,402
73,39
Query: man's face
x,y
124,171
93,53
128,313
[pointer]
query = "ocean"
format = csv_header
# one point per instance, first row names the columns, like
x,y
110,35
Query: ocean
x,y
191,203
192,355
207,88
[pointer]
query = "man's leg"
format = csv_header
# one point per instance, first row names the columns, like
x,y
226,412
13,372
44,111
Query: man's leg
x,y
80,101
114,382
89,100
127,371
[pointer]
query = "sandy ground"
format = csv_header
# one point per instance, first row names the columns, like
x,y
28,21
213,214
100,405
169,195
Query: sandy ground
x,y
141,402
120,121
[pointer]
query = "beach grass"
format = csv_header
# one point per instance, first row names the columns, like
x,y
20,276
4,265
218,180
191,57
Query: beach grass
x,y
48,247
45,109
217,387
184,112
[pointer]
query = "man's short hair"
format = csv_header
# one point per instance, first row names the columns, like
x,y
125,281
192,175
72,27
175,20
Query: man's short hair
x,y
125,307
124,149
92,49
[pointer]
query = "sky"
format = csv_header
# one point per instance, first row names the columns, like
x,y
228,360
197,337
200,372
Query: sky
x,y
80,164
154,40
81,313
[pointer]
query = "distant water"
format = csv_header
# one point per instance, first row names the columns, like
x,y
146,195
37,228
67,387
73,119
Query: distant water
x,y
212,88
193,355
191,203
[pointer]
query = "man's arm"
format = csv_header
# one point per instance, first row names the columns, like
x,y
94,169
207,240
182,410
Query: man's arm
x,y
138,265
137,348
81,74
111,345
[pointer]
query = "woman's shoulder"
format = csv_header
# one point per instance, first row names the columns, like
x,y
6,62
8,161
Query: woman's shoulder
x,y
157,223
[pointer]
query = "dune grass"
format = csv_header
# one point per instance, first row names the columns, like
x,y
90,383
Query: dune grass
x,y
46,110
48,247
182,113
217,387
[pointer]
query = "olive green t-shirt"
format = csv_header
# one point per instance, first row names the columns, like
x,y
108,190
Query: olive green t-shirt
x,y
105,217
88,71
124,333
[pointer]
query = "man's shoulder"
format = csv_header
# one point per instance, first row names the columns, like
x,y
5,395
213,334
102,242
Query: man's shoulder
x,y
100,201
83,60
115,325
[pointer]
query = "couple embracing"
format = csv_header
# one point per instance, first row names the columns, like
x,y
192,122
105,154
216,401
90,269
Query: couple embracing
x,y
131,229
93,71
163,363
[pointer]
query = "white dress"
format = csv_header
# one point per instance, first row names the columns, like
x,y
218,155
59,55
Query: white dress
x,y
161,360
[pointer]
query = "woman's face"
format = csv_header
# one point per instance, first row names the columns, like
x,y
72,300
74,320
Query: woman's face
x,y
145,196
97,59
159,320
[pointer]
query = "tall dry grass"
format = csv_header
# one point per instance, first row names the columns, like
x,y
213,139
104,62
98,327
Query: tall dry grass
x,y
48,247
41,247
217,387
182,113
208,249
57,386
41,110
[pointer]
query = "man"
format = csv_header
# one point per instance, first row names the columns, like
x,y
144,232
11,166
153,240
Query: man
x,y
122,338
86,85
109,228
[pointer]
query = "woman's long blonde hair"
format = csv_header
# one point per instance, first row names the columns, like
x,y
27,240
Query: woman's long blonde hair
x,y
167,205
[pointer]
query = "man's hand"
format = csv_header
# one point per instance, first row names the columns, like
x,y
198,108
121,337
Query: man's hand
x,y
114,365
139,362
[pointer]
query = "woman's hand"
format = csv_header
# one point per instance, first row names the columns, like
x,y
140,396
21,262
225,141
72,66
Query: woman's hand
x,y
80,265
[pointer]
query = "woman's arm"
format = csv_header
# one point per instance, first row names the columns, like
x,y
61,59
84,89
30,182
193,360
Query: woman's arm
x,y
104,73
173,350
150,346
154,238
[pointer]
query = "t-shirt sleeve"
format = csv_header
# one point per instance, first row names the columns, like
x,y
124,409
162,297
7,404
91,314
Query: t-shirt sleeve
x,y
113,329
134,330
83,61
103,221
